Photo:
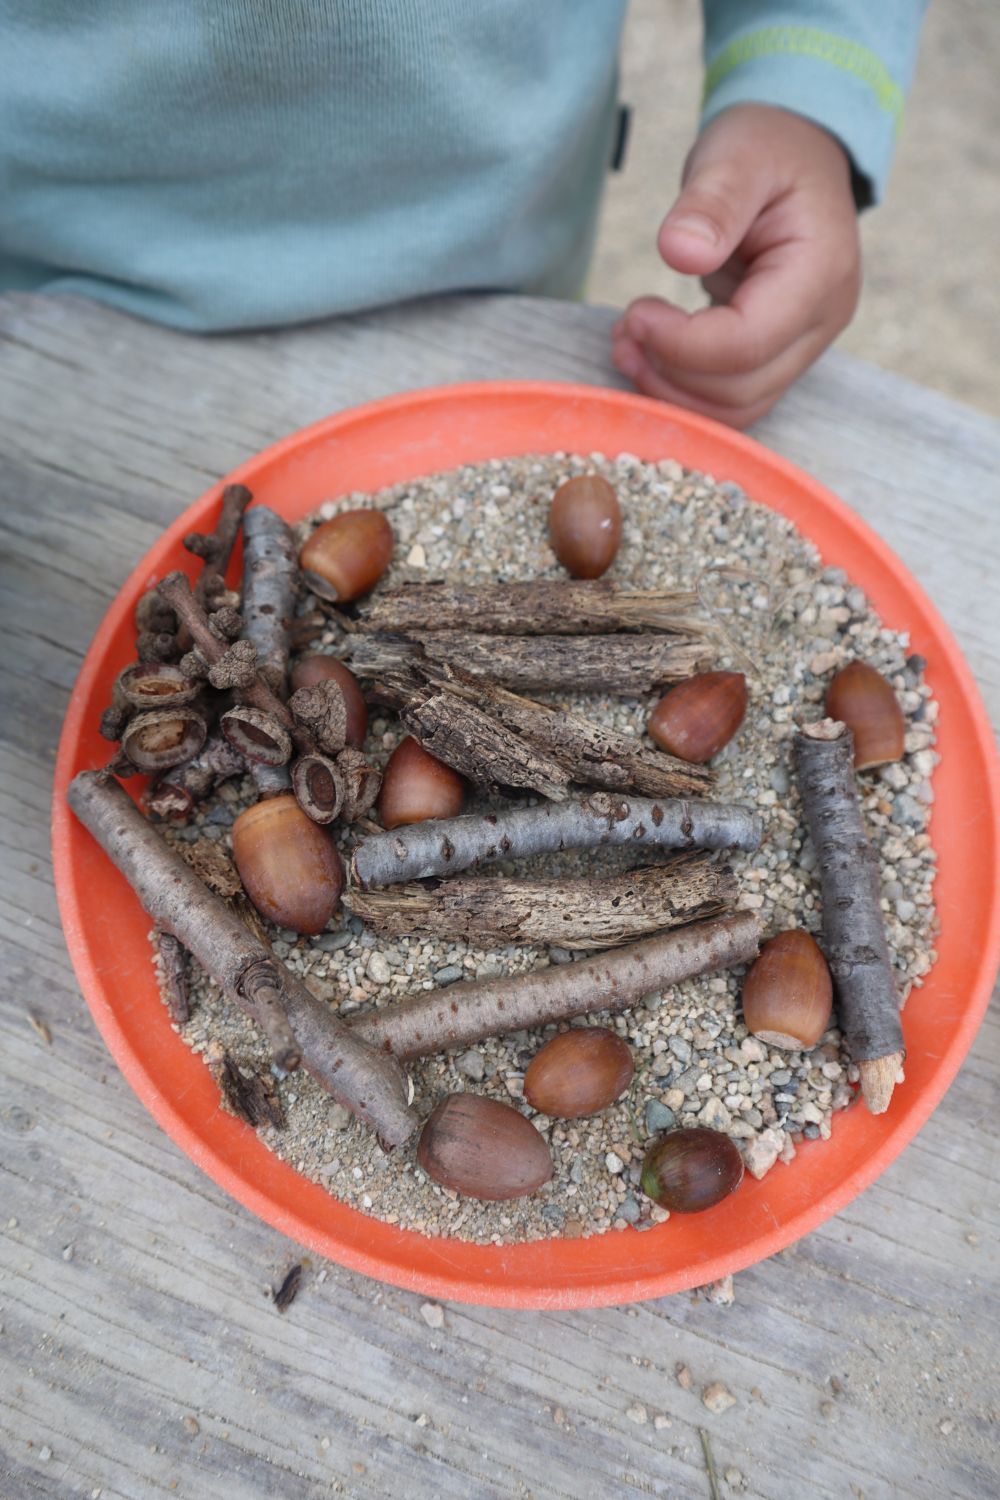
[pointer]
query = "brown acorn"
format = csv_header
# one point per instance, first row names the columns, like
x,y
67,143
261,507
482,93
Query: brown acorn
x,y
288,864
416,785
347,556
700,715
861,698
312,669
692,1169
788,993
579,1072
483,1149
585,525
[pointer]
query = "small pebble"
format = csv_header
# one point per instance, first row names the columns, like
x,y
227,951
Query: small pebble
x,y
377,968
638,1414
683,1376
432,1314
471,1065
658,1117
448,974
614,1163
717,1398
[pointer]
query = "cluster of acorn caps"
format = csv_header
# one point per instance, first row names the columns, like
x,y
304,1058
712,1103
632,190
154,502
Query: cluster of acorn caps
x,y
293,874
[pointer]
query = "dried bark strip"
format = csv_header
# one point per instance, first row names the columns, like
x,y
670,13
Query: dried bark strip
x,y
499,739
462,1014
541,607
270,584
445,846
254,1099
286,1293
621,665
173,977
245,968
855,941
589,913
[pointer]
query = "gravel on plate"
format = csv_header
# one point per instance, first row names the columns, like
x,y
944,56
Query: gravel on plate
x,y
789,623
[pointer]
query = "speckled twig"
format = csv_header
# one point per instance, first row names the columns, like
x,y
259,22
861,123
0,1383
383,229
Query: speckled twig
x,y
445,846
856,946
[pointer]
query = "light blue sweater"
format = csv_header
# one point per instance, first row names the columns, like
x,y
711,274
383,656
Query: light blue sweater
x,y
221,164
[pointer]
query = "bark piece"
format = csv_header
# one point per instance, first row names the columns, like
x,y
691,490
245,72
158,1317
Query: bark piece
x,y
445,846
541,607
588,913
246,969
270,584
436,1020
253,1099
173,977
855,941
621,665
502,740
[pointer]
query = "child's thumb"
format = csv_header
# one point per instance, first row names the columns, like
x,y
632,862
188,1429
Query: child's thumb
x,y
719,201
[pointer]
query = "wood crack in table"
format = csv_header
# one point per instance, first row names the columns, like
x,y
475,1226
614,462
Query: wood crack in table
x,y
140,1352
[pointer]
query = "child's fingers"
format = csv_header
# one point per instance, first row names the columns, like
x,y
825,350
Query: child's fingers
x,y
727,397
651,383
785,292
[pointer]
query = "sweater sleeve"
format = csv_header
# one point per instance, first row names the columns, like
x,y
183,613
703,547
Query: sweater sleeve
x,y
842,64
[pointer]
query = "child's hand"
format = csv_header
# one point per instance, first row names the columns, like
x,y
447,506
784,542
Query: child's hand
x,y
766,217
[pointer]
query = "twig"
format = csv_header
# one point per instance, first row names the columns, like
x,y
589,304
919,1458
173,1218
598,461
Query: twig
x,y
585,913
713,1478
215,548
461,1014
296,1023
622,665
180,789
856,946
445,846
270,583
542,607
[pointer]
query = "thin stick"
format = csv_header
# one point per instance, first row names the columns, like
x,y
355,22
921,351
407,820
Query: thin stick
x,y
245,968
587,913
620,665
215,548
445,846
713,1478
543,607
181,788
436,1020
856,946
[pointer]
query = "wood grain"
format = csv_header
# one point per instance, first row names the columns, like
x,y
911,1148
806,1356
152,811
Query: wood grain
x,y
135,1298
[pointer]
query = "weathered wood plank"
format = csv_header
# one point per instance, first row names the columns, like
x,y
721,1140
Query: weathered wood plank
x,y
133,1291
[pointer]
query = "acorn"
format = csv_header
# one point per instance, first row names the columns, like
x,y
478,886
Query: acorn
x,y
700,715
288,864
483,1149
862,699
347,556
692,1169
312,669
416,785
788,993
578,1073
585,525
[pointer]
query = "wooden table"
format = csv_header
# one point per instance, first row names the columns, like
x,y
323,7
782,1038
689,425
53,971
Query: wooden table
x,y
140,1353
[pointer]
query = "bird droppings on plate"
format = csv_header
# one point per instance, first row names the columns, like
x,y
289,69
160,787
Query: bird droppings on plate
x,y
796,620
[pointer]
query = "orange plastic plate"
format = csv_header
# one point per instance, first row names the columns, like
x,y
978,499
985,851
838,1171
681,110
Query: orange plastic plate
x,y
401,438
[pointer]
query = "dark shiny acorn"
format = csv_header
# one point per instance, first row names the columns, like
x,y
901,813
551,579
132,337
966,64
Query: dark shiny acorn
x,y
692,1169
289,865
862,699
348,555
579,1072
585,525
699,716
483,1149
788,993
416,785
312,669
